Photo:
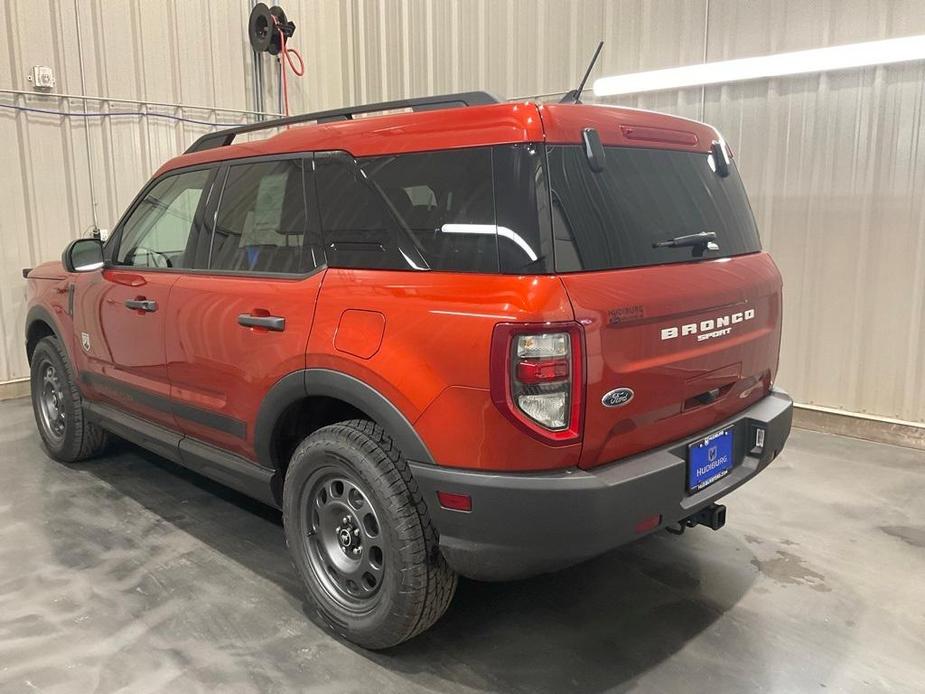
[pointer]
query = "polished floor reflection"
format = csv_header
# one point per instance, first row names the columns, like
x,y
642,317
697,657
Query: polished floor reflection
x,y
130,574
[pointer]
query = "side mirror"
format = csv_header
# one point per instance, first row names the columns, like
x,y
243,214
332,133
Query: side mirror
x,y
594,150
83,255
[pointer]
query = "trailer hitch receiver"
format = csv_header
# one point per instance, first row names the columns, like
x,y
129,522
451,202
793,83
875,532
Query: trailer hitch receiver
x,y
712,516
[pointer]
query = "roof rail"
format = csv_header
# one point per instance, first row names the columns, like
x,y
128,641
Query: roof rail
x,y
223,138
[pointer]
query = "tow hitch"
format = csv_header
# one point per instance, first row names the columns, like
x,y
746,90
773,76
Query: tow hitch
x,y
712,516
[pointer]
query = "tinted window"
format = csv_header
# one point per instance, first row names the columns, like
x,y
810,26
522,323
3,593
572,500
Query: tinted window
x,y
261,221
522,204
157,232
611,219
427,211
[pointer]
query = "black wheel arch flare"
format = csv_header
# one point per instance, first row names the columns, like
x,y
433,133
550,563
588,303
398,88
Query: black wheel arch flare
x,y
40,314
333,384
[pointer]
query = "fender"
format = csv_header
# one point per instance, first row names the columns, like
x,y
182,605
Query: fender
x,y
334,384
39,313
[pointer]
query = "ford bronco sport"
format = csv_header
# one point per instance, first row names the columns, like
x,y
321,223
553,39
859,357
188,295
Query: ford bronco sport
x,y
468,338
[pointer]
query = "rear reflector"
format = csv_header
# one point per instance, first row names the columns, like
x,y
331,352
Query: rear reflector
x,y
455,502
647,524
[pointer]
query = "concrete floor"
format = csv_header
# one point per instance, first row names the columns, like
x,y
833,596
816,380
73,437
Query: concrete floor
x,y
131,574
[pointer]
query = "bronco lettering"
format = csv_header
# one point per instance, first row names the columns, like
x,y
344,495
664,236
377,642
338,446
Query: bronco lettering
x,y
705,329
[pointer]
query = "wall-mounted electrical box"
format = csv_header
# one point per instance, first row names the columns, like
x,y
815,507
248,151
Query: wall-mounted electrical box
x,y
42,77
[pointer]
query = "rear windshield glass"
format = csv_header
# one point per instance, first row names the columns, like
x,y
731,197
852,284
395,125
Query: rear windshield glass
x,y
611,219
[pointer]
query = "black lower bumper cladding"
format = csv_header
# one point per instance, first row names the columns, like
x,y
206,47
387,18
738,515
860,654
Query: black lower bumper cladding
x,y
525,524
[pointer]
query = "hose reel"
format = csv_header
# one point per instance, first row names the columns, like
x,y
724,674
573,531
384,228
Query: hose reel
x,y
268,29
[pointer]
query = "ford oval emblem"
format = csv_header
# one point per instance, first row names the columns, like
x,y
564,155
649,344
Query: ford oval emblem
x,y
617,397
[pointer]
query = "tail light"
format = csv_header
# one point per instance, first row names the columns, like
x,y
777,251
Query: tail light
x,y
537,378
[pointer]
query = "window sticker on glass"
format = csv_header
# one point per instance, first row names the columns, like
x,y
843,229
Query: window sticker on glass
x,y
268,209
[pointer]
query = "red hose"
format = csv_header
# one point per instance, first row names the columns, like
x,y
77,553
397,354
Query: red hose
x,y
288,53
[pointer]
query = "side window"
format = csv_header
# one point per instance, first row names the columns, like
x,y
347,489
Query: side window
x,y
157,232
358,227
423,211
261,222
522,205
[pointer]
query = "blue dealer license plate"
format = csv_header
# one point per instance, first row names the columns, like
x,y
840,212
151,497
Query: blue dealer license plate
x,y
709,460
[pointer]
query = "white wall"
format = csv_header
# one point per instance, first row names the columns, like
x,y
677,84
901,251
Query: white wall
x,y
835,164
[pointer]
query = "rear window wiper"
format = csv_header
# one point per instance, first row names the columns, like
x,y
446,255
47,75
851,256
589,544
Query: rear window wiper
x,y
704,238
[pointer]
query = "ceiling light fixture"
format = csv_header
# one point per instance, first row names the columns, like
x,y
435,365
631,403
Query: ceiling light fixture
x,y
854,55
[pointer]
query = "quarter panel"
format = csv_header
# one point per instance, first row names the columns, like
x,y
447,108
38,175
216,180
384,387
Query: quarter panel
x,y
464,429
437,335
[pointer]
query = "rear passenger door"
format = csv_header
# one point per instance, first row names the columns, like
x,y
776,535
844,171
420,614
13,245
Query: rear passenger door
x,y
240,320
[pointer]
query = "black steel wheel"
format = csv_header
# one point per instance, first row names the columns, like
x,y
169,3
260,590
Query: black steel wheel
x,y
52,416
57,405
345,547
361,538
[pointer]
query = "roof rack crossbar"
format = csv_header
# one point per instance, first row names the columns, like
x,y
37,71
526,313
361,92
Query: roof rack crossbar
x,y
223,138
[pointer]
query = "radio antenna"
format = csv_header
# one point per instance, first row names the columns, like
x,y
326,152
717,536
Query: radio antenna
x,y
574,96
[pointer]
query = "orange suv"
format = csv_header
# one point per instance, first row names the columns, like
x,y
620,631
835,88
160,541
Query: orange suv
x,y
474,337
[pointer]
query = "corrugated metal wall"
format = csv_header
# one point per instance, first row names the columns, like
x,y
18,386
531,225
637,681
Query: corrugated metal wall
x,y
835,164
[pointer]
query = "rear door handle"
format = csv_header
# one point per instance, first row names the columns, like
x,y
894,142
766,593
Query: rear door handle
x,y
277,323
141,305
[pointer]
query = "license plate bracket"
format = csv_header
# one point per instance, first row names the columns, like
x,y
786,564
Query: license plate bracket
x,y
709,460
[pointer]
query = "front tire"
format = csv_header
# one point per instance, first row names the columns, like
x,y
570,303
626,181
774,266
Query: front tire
x,y
361,538
57,405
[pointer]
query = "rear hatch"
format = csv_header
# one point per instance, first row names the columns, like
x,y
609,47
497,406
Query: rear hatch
x,y
686,335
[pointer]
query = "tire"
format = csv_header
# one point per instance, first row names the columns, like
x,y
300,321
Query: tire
x,y
57,405
352,471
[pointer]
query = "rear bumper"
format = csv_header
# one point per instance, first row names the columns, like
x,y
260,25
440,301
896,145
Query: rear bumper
x,y
525,524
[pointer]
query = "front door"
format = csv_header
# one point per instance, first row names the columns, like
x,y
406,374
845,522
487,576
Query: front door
x,y
240,321
120,312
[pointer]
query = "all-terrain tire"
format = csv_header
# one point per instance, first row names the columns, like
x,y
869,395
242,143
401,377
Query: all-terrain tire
x,y
413,586
53,378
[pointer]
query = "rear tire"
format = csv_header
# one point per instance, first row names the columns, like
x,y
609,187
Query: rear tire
x,y
57,405
360,537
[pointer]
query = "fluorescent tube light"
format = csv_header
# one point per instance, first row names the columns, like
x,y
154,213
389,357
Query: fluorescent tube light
x,y
844,57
